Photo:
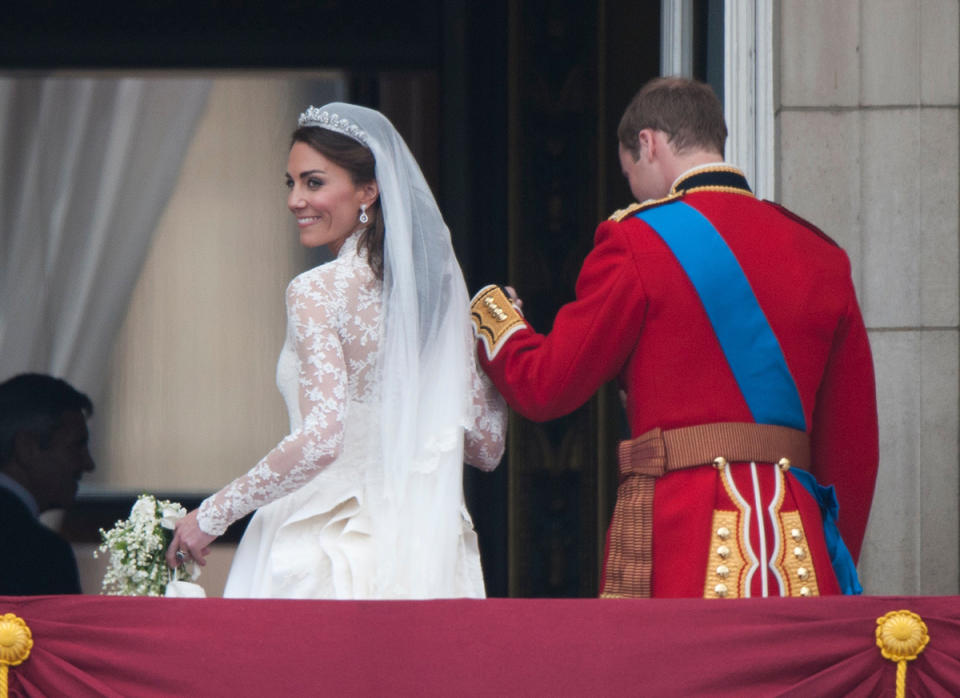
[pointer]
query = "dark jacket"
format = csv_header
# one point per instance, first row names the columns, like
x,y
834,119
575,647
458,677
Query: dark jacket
x,y
33,559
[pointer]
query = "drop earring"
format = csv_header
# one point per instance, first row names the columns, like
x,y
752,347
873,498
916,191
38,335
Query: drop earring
x,y
364,218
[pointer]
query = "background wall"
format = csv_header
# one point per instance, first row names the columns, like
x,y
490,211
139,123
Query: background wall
x,y
868,133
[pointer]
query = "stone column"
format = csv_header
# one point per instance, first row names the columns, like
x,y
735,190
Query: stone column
x,y
868,131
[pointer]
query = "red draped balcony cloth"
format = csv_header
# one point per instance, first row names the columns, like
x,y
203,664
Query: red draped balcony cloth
x,y
141,647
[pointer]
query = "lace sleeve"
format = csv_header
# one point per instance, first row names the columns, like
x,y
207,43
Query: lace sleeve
x,y
322,394
486,436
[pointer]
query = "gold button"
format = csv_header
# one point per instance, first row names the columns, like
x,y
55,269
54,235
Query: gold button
x,y
723,551
802,572
804,591
720,590
723,533
719,462
799,553
796,534
784,464
723,571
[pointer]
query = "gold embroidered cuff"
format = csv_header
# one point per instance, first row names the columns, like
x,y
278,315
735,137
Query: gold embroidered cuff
x,y
494,318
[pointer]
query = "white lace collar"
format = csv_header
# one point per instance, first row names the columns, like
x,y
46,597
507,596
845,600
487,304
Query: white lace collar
x,y
349,246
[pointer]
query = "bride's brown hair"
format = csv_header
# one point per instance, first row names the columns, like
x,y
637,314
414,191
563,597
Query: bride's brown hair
x,y
358,160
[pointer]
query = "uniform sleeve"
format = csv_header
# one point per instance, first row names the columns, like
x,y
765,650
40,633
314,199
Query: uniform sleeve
x,y
547,376
322,398
486,435
844,436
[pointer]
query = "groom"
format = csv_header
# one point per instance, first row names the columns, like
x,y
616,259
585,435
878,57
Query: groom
x,y
733,327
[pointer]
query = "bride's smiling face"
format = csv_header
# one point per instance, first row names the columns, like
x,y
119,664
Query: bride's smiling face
x,y
324,198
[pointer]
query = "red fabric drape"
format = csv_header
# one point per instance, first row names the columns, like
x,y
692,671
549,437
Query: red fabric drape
x,y
100,646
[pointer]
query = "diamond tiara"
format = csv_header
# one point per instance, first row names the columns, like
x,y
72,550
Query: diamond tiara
x,y
314,116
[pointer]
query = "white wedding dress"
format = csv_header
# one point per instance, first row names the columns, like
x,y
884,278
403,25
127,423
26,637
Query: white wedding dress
x,y
312,533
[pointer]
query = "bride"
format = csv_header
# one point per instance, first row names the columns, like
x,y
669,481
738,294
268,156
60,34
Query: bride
x,y
363,499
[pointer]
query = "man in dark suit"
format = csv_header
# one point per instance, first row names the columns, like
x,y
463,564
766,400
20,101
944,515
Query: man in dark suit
x,y
43,455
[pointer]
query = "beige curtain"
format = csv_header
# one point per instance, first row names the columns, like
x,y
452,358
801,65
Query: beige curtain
x,y
86,168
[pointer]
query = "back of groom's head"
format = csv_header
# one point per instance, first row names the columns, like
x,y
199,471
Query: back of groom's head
x,y
687,110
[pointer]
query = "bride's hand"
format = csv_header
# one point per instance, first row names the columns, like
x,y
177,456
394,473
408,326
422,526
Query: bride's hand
x,y
190,541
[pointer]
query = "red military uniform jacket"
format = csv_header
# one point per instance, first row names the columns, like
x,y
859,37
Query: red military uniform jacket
x,y
638,318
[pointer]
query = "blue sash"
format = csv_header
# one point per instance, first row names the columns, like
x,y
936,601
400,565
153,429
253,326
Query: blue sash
x,y
748,342
840,557
749,345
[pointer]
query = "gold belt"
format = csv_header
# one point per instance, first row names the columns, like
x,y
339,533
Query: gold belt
x,y
651,455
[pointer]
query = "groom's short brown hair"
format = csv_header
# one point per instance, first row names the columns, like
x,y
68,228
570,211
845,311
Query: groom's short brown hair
x,y
687,110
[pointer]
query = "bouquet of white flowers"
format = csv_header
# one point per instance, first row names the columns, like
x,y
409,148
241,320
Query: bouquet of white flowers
x,y
137,546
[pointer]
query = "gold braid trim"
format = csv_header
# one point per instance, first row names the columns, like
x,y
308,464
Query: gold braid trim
x,y
678,192
620,214
795,559
722,189
721,167
725,564
494,318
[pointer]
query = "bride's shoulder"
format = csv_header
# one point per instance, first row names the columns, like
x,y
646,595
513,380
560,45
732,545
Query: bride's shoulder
x,y
326,282
313,284
317,274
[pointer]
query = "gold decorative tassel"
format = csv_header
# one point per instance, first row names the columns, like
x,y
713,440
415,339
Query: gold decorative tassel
x,y
16,641
901,637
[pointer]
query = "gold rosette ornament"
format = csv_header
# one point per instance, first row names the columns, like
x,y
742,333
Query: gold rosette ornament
x,y
16,641
901,637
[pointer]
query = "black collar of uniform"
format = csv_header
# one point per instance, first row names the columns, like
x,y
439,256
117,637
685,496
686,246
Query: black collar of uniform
x,y
714,177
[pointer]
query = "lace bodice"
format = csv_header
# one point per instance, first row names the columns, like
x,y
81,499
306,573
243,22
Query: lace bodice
x,y
330,360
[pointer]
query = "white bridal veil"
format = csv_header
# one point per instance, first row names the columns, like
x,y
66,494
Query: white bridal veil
x,y
425,360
